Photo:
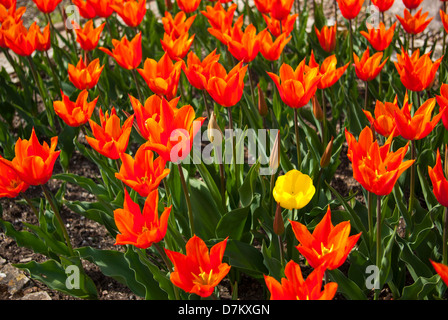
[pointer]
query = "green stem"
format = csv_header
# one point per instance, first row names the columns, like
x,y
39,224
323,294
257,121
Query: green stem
x,y
187,198
378,237
412,190
223,184
207,107
324,120
229,111
252,91
49,198
56,80
30,203
445,237
351,41
296,127
134,75
370,212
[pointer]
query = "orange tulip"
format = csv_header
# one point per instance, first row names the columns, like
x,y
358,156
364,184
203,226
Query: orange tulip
x,y
287,24
176,48
172,134
11,13
143,174
43,40
444,18
281,9
188,6
162,76
442,271
128,54
178,25
329,72
264,6
5,25
328,245
294,287
33,162
439,181
327,37
131,11
197,71
220,18
383,5
412,4
376,168
199,271
384,121
109,139
380,38
141,229
244,46
88,36
417,73
47,6
8,3
414,24
226,88
296,87
75,113
85,9
102,8
151,109
269,49
10,183
442,101
368,67
350,8
85,77
419,125
21,40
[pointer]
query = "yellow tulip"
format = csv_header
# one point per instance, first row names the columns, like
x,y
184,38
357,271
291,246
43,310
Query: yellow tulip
x,y
294,190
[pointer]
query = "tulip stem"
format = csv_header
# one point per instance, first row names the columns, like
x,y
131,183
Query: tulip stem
x,y
296,127
366,98
445,237
252,91
28,200
351,41
55,75
223,184
229,111
378,237
412,191
370,213
187,197
49,197
204,97
324,120
137,85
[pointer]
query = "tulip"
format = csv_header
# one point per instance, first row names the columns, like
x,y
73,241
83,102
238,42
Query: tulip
x,y
226,88
77,113
383,5
172,134
376,168
326,157
8,3
444,18
43,40
277,27
176,48
131,11
102,8
34,162
162,76
442,101
414,24
85,9
199,271
109,139
141,229
128,54
296,87
439,181
294,287
417,73
328,245
271,50
197,71
294,190
420,124
384,121
379,38
368,67
328,71
224,36
244,46
85,77
263,6
350,8
178,25
10,183
20,39
47,6
412,4
281,8
327,37
11,13
88,37
151,109
188,6
219,18
442,271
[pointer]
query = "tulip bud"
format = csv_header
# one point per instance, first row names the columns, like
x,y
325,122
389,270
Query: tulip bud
x,y
262,106
279,225
214,133
274,159
317,109
326,157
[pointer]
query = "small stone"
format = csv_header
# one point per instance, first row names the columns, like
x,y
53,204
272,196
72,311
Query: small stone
x,y
40,295
15,279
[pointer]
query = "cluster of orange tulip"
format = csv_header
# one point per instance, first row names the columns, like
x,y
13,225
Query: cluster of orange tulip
x,y
377,167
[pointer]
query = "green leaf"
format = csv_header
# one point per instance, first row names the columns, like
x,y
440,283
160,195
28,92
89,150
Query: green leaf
x,y
247,189
246,257
233,223
420,289
346,286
